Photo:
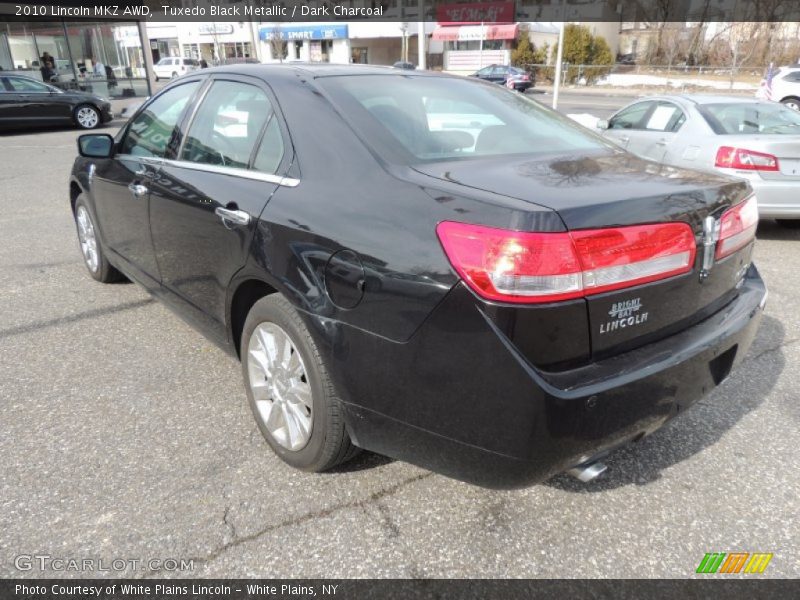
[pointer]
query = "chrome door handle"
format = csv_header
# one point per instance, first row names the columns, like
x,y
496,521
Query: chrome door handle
x,y
624,138
661,143
137,189
235,217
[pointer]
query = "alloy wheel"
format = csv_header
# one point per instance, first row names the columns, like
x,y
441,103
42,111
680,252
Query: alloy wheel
x,y
88,239
280,387
87,117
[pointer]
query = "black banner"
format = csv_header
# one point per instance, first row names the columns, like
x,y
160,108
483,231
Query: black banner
x,y
238,589
651,12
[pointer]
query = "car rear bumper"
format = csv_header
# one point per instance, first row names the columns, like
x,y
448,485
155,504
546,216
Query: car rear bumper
x,y
461,400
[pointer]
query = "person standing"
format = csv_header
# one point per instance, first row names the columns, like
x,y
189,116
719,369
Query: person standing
x,y
99,69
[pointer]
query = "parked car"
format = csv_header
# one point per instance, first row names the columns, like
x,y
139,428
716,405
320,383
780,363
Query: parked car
x,y
400,64
754,140
520,79
26,102
626,59
499,306
174,66
785,87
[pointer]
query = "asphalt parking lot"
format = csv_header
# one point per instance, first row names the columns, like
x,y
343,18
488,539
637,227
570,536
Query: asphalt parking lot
x,y
124,434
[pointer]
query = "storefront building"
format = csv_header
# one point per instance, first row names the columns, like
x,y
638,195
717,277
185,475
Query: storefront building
x,y
322,42
476,34
102,57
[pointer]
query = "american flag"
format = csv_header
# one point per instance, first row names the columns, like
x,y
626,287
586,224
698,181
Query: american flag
x,y
768,83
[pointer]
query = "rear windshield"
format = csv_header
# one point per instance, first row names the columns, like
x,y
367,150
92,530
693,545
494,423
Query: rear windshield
x,y
751,118
411,119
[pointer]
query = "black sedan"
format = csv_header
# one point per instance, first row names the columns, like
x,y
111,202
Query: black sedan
x,y
429,267
511,77
26,102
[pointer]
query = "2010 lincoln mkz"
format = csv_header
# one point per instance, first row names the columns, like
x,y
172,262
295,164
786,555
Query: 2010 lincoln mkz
x,y
429,267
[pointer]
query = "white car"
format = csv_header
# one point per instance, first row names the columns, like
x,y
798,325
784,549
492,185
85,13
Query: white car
x,y
785,87
747,138
174,66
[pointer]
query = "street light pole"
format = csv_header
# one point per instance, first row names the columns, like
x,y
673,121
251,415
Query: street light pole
x,y
421,57
559,57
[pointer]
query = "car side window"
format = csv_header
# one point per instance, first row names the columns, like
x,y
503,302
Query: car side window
x,y
484,72
226,127
631,117
793,76
270,152
499,72
665,117
150,132
19,84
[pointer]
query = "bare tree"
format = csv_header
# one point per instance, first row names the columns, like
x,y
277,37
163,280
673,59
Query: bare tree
x,y
277,44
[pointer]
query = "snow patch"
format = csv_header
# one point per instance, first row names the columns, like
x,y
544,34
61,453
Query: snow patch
x,y
632,79
585,119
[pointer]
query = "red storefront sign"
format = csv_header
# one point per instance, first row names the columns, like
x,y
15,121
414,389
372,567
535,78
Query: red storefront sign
x,y
475,12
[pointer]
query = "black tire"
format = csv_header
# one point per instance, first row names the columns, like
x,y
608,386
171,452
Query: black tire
x,y
329,444
174,74
82,123
791,102
789,223
104,272
157,78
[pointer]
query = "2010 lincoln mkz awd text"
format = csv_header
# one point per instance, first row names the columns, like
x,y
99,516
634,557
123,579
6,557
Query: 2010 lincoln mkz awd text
x,y
429,267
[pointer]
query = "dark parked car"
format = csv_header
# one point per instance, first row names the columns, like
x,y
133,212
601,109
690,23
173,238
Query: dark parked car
x,y
25,102
400,64
500,295
519,79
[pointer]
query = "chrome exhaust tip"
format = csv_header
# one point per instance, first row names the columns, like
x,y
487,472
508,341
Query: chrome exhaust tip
x,y
588,471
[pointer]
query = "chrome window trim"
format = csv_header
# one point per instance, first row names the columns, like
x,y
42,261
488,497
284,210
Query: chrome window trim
x,y
233,172
230,171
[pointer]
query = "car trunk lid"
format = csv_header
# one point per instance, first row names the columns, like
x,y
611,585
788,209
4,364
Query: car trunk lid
x,y
613,190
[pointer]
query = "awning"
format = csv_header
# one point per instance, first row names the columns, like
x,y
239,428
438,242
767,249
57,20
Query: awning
x,y
465,33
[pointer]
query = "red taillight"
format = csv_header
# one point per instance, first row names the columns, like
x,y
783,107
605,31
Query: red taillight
x,y
747,160
512,266
737,227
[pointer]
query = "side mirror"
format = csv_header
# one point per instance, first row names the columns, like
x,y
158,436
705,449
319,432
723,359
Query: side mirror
x,y
95,145
602,124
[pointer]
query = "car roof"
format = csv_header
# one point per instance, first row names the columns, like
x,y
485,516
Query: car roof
x,y
705,99
316,70
15,74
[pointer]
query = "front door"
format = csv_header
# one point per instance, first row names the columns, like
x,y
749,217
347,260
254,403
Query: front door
x,y
206,202
121,185
622,127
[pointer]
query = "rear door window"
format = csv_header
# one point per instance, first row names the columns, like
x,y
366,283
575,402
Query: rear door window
x,y
228,124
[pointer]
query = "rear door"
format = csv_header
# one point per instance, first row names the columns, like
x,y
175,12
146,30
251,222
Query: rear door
x,y
208,196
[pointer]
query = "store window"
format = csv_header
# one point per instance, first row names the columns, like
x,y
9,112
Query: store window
x,y
103,58
321,50
359,56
